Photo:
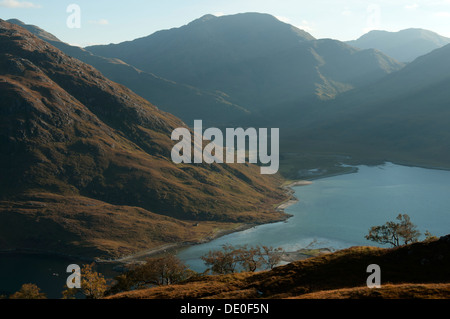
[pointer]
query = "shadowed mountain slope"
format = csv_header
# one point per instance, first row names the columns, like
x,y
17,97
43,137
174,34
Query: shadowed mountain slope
x,y
405,45
402,118
67,131
259,61
184,101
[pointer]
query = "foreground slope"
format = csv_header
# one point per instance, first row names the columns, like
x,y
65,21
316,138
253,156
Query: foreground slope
x,y
420,270
66,131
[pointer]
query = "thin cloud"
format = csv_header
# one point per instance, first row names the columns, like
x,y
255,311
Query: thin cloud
x,y
411,6
15,4
442,14
99,22
346,13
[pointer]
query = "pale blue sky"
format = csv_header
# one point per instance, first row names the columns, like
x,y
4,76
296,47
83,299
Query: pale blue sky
x,y
115,21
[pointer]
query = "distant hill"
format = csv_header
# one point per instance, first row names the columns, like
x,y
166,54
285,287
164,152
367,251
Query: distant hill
x,y
334,275
44,35
86,166
181,100
257,60
405,45
402,118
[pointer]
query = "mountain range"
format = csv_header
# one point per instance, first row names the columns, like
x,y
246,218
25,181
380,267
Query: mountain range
x,y
257,60
286,78
405,45
83,155
403,118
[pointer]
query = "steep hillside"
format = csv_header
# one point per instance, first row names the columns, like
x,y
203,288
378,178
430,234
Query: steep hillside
x,y
66,131
402,118
184,101
405,45
259,61
419,270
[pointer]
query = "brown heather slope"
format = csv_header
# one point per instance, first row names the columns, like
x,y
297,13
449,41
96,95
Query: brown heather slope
x,y
66,131
183,101
400,291
416,270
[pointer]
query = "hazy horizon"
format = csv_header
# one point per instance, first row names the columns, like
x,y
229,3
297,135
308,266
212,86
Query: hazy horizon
x,y
104,22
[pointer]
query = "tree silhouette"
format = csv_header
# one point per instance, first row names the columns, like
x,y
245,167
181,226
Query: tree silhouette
x,y
232,259
395,233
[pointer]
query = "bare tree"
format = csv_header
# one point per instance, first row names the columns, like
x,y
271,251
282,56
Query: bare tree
x,y
271,256
251,258
393,233
166,270
223,261
232,259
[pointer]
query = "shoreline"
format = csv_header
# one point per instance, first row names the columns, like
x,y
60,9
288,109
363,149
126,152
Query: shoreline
x,y
143,254
167,248
139,256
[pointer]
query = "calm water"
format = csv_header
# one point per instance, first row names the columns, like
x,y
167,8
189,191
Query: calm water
x,y
336,212
333,212
46,271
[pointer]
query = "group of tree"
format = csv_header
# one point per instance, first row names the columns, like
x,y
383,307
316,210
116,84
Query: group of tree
x,y
169,270
231,259
166,270
160,271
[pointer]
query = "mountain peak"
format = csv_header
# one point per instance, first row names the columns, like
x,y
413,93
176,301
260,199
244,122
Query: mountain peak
x,y
16,21
204,18
263,22
404,45
44,35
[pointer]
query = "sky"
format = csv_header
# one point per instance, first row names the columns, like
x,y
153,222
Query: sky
x,y
92,22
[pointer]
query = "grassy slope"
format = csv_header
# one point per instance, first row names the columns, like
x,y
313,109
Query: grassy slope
x,y
68,131
186,102
82,226
416,270
400,291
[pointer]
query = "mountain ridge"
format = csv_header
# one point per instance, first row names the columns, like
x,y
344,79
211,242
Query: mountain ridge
x,y
404,45
258,64
401,118
178,99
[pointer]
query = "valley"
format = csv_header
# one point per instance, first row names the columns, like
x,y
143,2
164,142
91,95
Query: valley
x,y
118,152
